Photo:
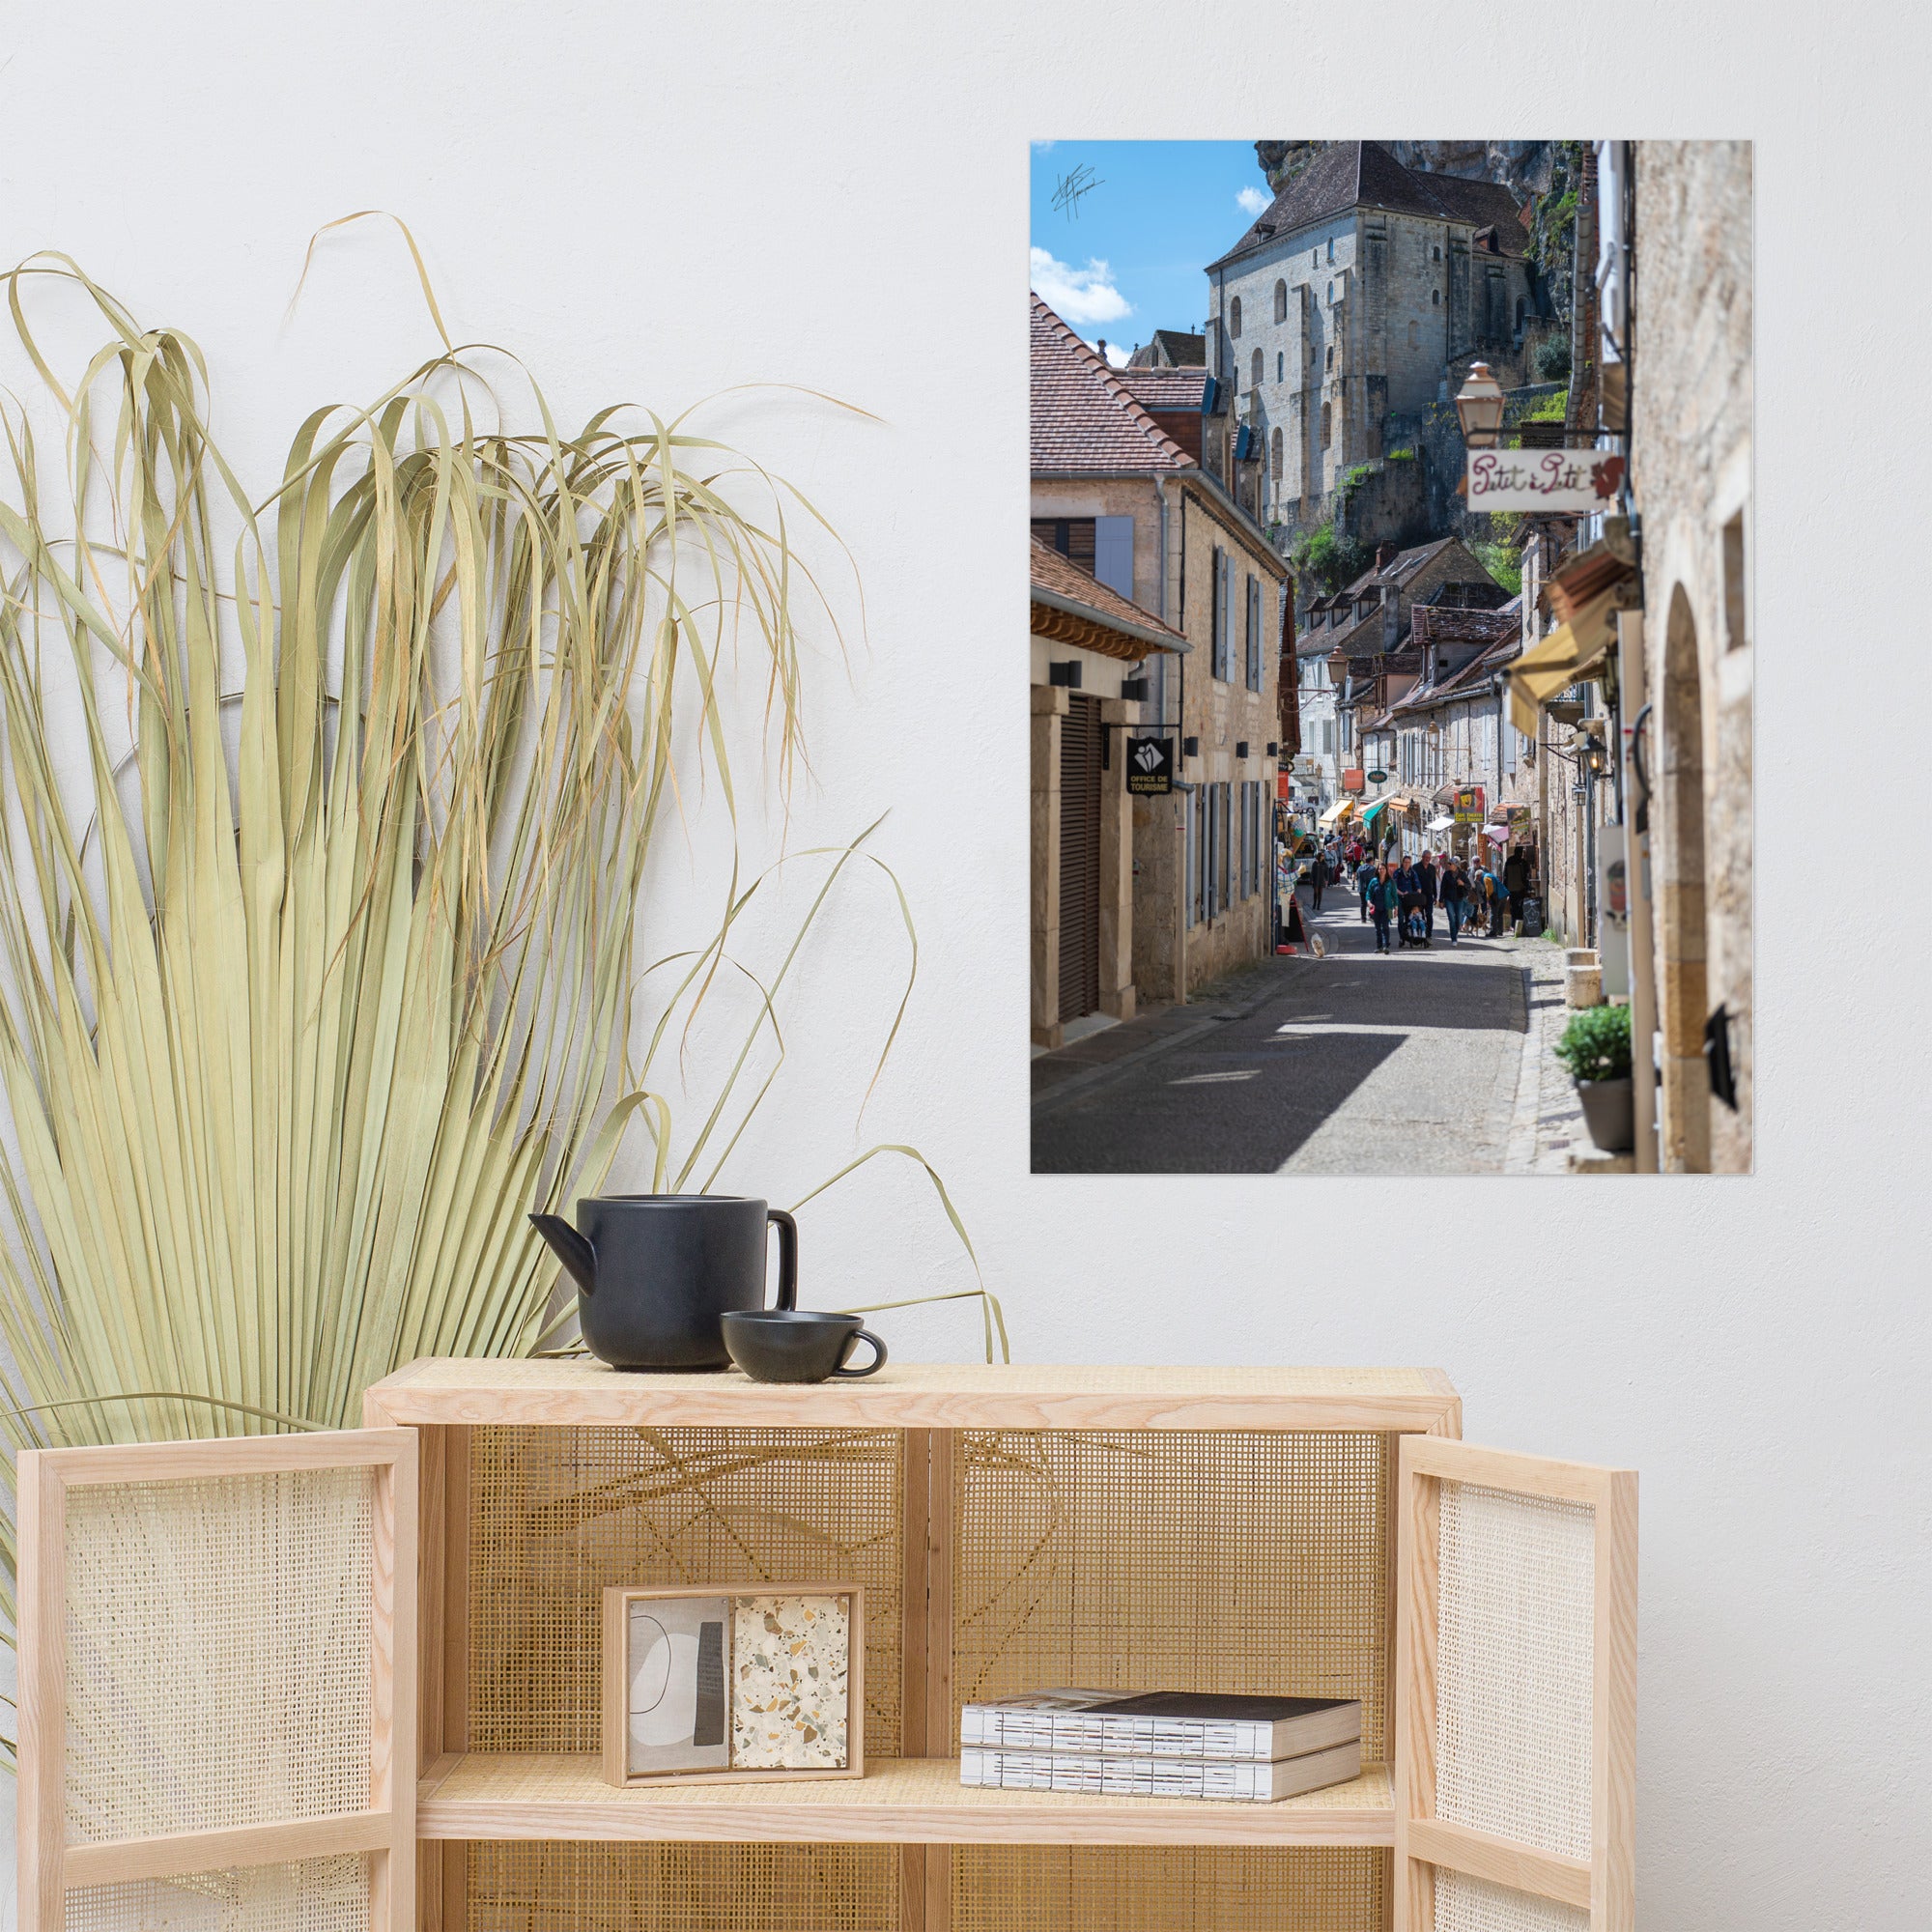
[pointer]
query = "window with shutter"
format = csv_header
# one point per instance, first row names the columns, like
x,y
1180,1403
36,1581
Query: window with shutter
x,y
1218,615
1074,537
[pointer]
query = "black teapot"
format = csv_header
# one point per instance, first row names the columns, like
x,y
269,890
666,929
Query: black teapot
x,y
656,1272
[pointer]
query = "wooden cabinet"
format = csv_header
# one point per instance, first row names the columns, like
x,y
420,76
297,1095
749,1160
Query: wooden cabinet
x,y
1316,1530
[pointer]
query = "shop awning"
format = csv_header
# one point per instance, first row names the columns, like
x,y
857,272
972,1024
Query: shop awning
x,y
1441,824
1370,811
1566,657
1337,811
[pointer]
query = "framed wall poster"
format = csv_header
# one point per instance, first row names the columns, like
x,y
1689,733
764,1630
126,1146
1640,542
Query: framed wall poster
x,y
750,1685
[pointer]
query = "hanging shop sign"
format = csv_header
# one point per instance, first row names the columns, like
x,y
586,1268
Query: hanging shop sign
x,y
1544,482
1149,767
1378,777
1352,780
1468,804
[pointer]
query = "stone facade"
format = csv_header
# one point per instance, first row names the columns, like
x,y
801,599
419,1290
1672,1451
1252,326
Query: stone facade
x,y
1690,413
1321,332
1182,938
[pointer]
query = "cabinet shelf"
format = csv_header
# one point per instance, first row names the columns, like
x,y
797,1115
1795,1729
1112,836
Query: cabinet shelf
x,y
898,1801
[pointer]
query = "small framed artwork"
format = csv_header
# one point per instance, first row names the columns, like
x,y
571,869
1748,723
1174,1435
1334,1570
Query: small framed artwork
x,y
764,1684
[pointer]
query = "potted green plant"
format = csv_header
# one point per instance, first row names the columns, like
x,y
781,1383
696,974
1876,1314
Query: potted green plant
x,y
1596,1047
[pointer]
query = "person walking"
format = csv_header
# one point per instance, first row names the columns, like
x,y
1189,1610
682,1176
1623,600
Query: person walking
x,y
1381,897
1516,882
1454,891
1365,883
1426,872
1318,876
1496,900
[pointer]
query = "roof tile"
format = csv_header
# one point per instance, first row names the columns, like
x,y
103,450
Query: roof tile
x,y
1085,419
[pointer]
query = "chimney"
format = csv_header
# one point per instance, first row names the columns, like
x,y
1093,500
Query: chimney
x,y
1391,617
1384,555
1103,346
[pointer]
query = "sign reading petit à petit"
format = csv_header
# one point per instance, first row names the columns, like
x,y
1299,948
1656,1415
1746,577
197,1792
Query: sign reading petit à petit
x,y
1544,482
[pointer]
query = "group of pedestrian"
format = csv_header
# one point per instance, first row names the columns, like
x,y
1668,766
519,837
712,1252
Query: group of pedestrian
x,y
1401,896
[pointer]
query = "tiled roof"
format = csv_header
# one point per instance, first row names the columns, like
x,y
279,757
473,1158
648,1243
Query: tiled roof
x,y
1157,388
1360,174
1449,624
1084,420
1401,567
1063,577
1179,347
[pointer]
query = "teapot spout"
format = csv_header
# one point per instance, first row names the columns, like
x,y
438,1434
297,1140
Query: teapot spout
x,y
570,1248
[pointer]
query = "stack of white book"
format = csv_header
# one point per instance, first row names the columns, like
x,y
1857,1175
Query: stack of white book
x,y
1163,1744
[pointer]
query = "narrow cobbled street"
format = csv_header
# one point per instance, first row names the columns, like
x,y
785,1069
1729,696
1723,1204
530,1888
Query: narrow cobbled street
x,y
1426,1062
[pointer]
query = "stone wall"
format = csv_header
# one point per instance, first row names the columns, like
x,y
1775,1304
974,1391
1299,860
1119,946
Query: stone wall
x,y
1690,387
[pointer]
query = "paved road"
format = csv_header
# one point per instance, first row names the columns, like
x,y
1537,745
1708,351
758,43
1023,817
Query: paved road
x,y
1354,1064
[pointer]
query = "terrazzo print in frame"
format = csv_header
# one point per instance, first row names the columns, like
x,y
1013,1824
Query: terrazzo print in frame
x,y
701,1683
790,1683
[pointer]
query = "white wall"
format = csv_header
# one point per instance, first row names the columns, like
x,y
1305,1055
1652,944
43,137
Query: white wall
x,y
655,203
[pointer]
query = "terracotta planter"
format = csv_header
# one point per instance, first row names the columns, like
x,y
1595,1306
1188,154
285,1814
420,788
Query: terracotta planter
x,y
1609,1109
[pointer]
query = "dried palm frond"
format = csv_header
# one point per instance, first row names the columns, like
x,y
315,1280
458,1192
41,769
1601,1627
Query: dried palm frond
x,y
319,974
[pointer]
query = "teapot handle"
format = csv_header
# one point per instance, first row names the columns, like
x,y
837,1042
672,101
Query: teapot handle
x,y
787,1258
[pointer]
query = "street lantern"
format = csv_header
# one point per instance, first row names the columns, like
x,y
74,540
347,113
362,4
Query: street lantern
x,y
1479,407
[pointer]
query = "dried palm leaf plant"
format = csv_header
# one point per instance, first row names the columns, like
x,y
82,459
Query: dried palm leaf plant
x,y
319,973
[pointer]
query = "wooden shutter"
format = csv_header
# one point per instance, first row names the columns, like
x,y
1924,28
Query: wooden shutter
x,y
1254,665
1218,616
1080,856
1222,898
1114,554
1516,1693
218,1685
1190,806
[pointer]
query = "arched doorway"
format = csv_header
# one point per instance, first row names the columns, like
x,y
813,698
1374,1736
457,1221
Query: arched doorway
x,y
1683,992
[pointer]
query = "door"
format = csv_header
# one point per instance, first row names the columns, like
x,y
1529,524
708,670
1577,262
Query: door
x,y
218,1685
1079,857
1516,1693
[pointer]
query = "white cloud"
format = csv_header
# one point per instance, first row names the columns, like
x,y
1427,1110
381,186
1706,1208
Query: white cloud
x,y
1252,200
1078,294
1116,354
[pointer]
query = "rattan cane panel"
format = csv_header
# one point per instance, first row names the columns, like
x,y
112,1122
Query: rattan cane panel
x,y
1514,1668
533,1885
1106,1889
1465,1904
313,1895
558,1514
1253,1561
218,1652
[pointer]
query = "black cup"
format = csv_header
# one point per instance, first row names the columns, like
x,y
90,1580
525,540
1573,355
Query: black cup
x,y
789,1345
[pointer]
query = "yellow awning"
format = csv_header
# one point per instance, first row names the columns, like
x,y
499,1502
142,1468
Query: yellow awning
x,y
1337,811
1568,655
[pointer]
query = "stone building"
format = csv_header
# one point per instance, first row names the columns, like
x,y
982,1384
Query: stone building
x,y
1082,918
1344,306
1109,483
1689,389
1647,656
1452,733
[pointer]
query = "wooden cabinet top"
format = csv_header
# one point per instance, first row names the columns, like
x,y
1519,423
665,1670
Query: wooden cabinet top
x,y
915,1395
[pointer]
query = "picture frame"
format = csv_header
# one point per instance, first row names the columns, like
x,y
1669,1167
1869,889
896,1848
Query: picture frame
x,y
769,1697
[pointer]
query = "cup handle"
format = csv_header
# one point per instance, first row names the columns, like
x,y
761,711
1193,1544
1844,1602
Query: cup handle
x,y
872,1367
787,1256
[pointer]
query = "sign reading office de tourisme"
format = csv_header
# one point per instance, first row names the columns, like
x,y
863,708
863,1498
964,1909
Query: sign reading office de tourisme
x,y
1544,482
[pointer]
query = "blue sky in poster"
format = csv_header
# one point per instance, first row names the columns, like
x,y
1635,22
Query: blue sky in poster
x,y
1128,259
